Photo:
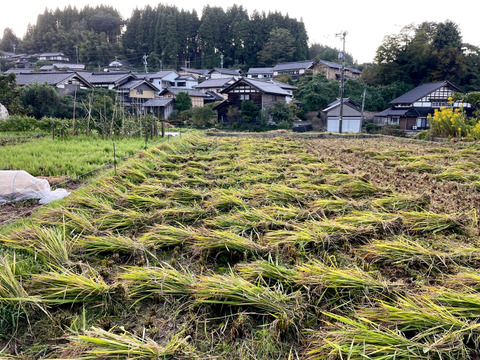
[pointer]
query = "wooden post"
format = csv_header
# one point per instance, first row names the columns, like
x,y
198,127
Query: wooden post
x,y
53,130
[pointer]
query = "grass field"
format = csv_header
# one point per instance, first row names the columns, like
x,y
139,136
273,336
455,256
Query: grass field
x,y
249,248
72,156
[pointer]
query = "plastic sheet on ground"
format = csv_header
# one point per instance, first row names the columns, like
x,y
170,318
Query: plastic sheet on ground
x,y
18,185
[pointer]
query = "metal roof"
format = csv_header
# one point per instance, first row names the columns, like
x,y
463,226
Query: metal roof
x,y
107,77
158,102
265,87
297,65
52,78
259,71
177,90
133,84
214,83
421,91
233,72
346,101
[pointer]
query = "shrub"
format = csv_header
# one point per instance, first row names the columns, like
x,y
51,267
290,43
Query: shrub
x,y
19,123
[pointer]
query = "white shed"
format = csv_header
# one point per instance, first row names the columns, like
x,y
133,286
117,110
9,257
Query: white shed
x,y
351,117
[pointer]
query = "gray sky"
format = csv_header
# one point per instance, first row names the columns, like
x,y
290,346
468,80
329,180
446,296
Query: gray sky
x,y
367,22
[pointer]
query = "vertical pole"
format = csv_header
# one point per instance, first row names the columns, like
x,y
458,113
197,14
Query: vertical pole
x,y
163,129
342,85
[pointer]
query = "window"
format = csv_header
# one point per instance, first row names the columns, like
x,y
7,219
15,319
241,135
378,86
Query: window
x,y
139,91
244,96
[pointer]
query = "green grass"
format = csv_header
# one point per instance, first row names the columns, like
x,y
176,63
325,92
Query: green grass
x,y
71,156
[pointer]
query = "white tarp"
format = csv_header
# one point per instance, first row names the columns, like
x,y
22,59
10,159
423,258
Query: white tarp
x,y
17,185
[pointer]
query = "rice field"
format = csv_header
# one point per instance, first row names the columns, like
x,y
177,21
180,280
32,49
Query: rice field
x,y
250,248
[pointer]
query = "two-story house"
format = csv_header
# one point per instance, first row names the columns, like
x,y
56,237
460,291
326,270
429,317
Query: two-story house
x,y
262,93
410,111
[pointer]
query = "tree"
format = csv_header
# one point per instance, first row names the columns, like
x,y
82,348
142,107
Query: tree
x,y
9,94
204,116
250,112
40,100
183,101
9,41
279,48
282,114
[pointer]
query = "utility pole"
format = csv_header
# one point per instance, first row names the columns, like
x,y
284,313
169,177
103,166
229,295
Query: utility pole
x,y
342,82
221,61
145,63
76,52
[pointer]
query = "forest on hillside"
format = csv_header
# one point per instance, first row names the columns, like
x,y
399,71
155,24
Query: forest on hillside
x,y
170,37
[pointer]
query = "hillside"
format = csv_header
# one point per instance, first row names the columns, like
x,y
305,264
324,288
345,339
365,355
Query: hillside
x,y
251,248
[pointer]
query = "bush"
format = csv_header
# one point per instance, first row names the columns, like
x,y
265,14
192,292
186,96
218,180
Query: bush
x,y
19,123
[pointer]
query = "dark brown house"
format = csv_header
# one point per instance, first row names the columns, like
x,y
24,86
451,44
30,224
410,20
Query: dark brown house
x,y
262,93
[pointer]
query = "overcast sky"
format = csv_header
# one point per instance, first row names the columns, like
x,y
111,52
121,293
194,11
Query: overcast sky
x,y
367,22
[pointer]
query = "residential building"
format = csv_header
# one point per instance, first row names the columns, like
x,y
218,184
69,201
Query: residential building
x,y
351,116
260,73
294,69
199,98
217,73
333,70
159,107
262,93
411,110
66,82
53,56
215,86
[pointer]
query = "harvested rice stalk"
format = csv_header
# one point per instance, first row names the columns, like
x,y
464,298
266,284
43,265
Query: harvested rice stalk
x,y
97,343
315,273
94,245
63,286
52,244
265,269
401,202
166,235
163,280
225,240
233,290
358,339
325,207
428,222
359,188
420,314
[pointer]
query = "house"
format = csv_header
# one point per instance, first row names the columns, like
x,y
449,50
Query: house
x,y
410,111
169,78
262,93
63,67
53,56
199,98
134,93
351,116
197,73
160,107
66,82
217,73
108,80
294,69
260,73
215,86
333,70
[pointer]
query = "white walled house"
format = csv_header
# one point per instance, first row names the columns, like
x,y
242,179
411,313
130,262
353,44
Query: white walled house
x,y
351,117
